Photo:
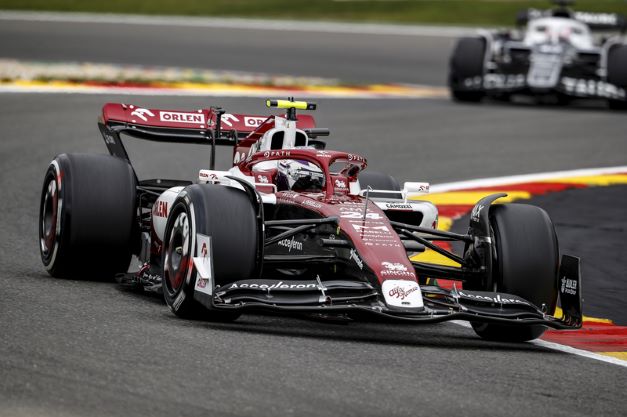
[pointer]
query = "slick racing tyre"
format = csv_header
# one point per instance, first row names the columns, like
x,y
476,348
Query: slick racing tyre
x,y
379,181
617,73
467,63
227,217
526,264
87,216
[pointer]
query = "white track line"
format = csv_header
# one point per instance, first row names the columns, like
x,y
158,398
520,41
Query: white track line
x,y
518,179
241,23
580,352
563,348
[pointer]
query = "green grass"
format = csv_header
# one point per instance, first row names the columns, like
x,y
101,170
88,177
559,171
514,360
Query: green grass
x,y
466,12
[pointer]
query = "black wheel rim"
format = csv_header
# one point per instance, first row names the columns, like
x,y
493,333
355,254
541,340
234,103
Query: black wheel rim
x,y
177,253
49,218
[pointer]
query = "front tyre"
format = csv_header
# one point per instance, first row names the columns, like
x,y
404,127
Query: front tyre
x,y
526,264
467,63
228,218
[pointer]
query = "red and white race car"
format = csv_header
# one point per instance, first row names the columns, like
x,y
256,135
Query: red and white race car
x,y
294,227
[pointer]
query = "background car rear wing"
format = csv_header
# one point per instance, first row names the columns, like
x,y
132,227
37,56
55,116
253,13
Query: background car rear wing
x,y
204,126
595,21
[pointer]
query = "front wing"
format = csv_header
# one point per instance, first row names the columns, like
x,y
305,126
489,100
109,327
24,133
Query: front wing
x,y
363,299
519,83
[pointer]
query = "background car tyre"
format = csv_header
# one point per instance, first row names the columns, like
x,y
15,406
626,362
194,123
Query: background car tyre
x,y
617,73
527,265
379,181
228,217
467,62
87,216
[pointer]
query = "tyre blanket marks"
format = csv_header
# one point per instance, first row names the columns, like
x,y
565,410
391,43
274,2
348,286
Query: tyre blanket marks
x,y
597,335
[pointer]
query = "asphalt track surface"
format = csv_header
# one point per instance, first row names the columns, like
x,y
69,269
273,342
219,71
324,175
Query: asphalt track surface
x,y
353,57
79,348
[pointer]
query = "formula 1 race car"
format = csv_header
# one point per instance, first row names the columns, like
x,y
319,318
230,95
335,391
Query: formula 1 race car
x,y
556,57
295,228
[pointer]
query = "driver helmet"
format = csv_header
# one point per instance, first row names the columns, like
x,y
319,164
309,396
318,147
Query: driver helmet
x,y
299,176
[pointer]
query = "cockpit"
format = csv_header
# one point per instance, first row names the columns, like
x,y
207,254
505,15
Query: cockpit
x,y
288,174
554,30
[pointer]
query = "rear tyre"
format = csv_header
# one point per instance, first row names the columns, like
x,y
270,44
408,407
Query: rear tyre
x,y
87,216
527,264
467,63
617,73
379,181
228,217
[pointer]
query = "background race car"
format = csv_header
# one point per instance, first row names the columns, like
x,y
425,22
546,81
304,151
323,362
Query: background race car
x,y
556,55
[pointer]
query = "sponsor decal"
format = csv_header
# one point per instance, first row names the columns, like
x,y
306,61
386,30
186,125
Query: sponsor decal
x,y
291,195
243,156
228,118
493,298
239,156
592,88
262,179
204,253
402,293
142,113
160,209
568,286
609,19
416,187
179,117
202,262
383,244
109,139
371,229
476,212
340,184
352,157
550,49
496,81
359,215
323,154
279,285
373,233
313,204
291,244
504,81
394,266
204,175
396,269
251,121
269,154
176,304
355,257
398,206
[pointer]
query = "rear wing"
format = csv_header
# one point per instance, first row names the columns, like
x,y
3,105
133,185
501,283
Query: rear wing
x,y
204,126
595,21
